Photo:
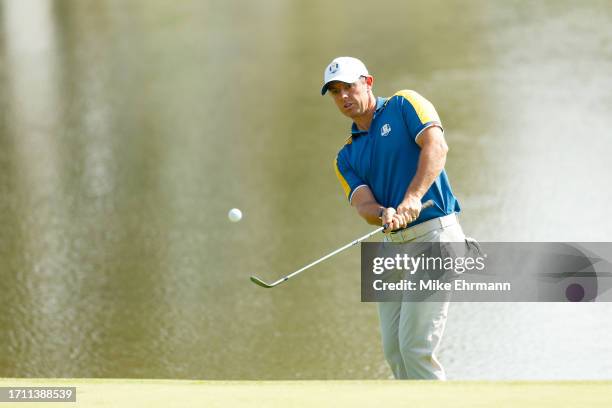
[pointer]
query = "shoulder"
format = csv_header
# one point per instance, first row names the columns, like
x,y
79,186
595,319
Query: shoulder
x,y
408,96
342,156
414,104
346,146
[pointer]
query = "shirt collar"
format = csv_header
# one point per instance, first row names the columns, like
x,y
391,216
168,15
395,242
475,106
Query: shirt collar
x,y
380,104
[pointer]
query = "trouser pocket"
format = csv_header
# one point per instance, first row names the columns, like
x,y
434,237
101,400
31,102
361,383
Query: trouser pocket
x,y
473,248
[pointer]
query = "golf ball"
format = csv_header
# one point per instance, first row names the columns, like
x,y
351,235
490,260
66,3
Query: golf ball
x,y
234,215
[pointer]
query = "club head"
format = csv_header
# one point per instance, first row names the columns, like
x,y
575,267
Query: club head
x,y
259,282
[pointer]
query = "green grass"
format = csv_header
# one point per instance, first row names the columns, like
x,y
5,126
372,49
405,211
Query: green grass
x,y
296,394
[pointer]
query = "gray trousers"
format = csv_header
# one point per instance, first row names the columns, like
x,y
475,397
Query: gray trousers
x,y
411,331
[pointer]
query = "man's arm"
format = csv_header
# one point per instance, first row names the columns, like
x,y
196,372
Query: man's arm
x,y
431,162
368,208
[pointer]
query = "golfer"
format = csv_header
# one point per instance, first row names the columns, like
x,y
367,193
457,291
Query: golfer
x,y
391,163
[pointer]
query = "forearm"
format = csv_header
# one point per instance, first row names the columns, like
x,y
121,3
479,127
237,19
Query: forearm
x,y
366,205
431,163
370,211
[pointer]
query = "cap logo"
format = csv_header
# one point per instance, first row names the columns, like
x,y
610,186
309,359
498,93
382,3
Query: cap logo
x,y
333,68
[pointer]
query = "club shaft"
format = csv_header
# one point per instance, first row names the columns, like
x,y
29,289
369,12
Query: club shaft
x,y
426,204
337,251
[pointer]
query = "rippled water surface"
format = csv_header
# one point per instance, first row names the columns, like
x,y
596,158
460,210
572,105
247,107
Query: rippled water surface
x,y
129,129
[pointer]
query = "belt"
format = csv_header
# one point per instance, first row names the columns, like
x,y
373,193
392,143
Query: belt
x,y
408,234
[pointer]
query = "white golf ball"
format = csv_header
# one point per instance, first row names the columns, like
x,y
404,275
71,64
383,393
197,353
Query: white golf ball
x,y
234,215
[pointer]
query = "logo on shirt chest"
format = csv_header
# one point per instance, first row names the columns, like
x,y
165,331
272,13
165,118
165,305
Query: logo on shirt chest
x,y
385,129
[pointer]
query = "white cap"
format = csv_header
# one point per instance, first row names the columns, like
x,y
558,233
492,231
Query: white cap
x,y
344,69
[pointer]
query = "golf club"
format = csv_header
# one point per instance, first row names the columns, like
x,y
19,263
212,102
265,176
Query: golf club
x,y
263,284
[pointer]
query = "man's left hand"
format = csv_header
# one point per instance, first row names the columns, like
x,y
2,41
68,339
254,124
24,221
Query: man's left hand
x,y
410,208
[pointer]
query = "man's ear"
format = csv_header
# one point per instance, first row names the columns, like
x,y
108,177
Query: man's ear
x,y
369,80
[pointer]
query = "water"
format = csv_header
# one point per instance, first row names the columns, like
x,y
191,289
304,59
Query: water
x,y
130,129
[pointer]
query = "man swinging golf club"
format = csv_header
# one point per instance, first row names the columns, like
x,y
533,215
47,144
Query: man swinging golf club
x,y
391,163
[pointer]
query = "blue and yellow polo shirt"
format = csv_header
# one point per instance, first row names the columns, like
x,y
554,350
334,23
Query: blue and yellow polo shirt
x,y
385,158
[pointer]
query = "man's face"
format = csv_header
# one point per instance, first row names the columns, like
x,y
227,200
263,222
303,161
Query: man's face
x,y
351,99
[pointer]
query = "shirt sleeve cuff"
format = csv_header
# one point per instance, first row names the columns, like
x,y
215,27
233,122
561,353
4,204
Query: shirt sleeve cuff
x,y
353,192
427,126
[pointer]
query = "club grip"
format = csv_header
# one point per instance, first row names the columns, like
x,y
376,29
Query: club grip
x,y
425,205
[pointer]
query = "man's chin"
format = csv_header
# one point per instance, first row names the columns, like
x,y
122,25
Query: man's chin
x,y
350,113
